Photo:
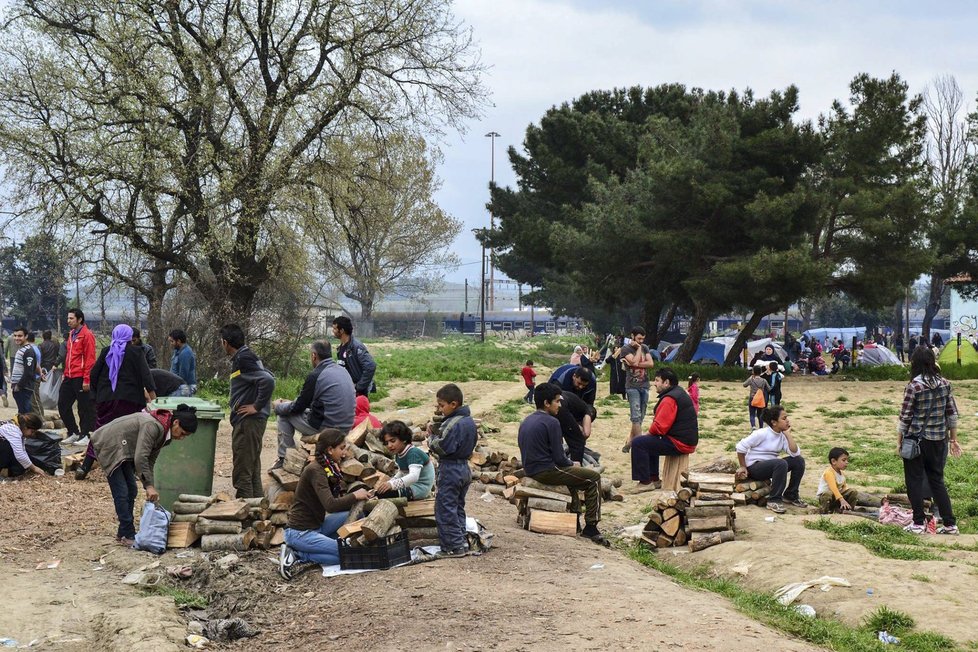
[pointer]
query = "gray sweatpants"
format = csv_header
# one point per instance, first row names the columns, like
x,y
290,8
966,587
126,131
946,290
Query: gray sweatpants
x,y
287,425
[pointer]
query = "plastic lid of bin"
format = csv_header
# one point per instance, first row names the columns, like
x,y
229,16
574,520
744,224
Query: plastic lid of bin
x,y
205,409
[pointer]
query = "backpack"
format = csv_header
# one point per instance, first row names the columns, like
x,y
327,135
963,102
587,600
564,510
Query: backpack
x,y
154,528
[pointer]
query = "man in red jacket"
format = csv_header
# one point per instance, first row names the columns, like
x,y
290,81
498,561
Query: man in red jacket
x,y
75,387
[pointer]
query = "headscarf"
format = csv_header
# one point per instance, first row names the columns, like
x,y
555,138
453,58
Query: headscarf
x,y
576,356
165,417
121,336
363,412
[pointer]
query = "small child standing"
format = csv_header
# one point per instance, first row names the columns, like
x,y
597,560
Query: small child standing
x,y
528,375
693,389
453,445
415,473
833,493
775,378
756,404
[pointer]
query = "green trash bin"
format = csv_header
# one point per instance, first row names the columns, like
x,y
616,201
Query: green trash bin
x,y
187,466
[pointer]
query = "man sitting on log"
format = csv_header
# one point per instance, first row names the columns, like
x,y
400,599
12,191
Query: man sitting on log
x,y
674,430
542,451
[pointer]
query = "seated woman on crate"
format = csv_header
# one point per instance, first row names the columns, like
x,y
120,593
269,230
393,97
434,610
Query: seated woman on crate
x,y
319,508
415,473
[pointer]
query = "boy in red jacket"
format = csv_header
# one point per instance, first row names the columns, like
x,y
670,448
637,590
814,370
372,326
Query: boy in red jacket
x,y
528,375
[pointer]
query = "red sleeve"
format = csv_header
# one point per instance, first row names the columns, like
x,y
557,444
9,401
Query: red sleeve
x,y
665,416
88,359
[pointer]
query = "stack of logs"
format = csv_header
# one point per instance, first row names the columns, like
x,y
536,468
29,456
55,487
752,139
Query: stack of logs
x,y
751,492
701,514
390,516
548,509
222,523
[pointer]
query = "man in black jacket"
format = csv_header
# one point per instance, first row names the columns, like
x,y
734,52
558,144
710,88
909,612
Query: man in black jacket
x,y
674,430
575,417
354,356
147,348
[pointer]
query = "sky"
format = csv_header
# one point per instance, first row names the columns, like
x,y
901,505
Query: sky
x,y
542,53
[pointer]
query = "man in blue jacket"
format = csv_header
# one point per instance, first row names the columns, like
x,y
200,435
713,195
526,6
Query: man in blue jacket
x,y
354,356
251,394
327,400
184,360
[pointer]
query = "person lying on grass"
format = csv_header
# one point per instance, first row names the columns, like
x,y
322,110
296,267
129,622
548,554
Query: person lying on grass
x,y
127,448
415,473
319,508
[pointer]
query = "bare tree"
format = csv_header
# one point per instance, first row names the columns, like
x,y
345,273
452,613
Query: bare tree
x,y
384,233
180,128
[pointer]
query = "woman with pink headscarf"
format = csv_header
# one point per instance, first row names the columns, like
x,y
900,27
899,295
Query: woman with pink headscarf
x,y
363,412
121,382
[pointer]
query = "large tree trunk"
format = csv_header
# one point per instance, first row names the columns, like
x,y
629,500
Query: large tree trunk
x,y
755,320
665,325
898,317
805,309
154,316
701,315
651,309
933,304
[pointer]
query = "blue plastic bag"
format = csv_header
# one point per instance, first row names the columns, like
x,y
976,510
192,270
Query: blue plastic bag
x,y
154,527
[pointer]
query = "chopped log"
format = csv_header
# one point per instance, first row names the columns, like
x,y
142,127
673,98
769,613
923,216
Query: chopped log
x,y
649,539
672,525
739,498
616,496
374,445
236,542
715,488
352,467
279,518
685,494
260,502
295,460
708,524
510,480
555,488
181,535
189,508
380,520
655,517
663,541
236,510
193,498
509,493
381,463
279,537
744,487
714,499
716,465
664,499
282,502
356,512
479,458
529,492
711,539
349,528
680,538
553,523
263,540
422,533
289,481
222,497
697,477
708,509
207,526
672,468
494,489
184,518
259,514
415,508
370,504
273,489
760,493
357,436
263,526
547,505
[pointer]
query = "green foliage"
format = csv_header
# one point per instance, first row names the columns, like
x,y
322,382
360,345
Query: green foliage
x,y
513,410
32,275
407,403
181,597
886,541
886,619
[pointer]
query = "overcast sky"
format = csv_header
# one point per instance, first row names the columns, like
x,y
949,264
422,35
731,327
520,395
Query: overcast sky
x,y
542,53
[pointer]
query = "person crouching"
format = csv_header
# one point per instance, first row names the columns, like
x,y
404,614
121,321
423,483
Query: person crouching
x,y
127,449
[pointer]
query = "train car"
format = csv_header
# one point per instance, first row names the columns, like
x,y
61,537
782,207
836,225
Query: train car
x,y
539,322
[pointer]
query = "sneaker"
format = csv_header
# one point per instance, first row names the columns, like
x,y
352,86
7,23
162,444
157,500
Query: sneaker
x,y
279,463
71,440
286,563
797,502
126,541
81,474
642,487
913,528
83,441
948,529
591,532
777,508
457,552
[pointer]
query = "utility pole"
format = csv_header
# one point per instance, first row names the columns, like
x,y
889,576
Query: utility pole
x,y
492,136
466,295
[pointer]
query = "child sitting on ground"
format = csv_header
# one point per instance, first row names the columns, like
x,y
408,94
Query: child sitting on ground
x,y
834,495
415,473
453,445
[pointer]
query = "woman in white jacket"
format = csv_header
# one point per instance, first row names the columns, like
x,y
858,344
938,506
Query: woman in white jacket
x,y
760,458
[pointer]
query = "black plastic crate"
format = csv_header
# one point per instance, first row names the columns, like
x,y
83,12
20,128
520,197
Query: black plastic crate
x,y
383,553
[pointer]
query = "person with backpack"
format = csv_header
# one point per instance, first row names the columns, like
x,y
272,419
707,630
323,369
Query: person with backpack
x,y
757,397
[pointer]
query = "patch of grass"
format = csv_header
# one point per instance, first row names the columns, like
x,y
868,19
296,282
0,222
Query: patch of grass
x,y
730,421
764,608
886,619
181,597
842,398
920,578
886,541
511,411
865,410
407,403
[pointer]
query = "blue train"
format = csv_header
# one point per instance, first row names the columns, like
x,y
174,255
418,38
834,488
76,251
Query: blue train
x,y
538,321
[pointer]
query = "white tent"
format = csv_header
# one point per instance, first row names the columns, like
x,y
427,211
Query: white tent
x,y
752,347
878,356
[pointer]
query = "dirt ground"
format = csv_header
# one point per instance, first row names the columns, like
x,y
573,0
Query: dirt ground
x,y
531,592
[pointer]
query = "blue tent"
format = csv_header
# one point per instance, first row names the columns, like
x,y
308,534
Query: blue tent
x,y
844,334
706,351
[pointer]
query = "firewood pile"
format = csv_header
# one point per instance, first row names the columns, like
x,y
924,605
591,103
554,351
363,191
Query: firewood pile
x,y
701,514
374,520
222,523
549,509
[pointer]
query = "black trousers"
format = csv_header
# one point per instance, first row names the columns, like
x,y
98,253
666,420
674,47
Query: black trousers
x,y
8,461
929,467
70,394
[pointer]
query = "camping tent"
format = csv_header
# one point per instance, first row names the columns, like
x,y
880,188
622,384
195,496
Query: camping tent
x,y
707,352
877,356
945,334
844,334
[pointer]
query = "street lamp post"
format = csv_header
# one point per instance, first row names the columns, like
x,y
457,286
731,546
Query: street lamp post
x,y
492,136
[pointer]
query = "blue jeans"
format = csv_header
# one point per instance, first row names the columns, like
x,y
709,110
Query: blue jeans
x,y
122,484
758,413
23,399
317,546
638,403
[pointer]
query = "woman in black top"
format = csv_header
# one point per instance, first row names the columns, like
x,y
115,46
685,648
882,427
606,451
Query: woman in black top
x,y
121,381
